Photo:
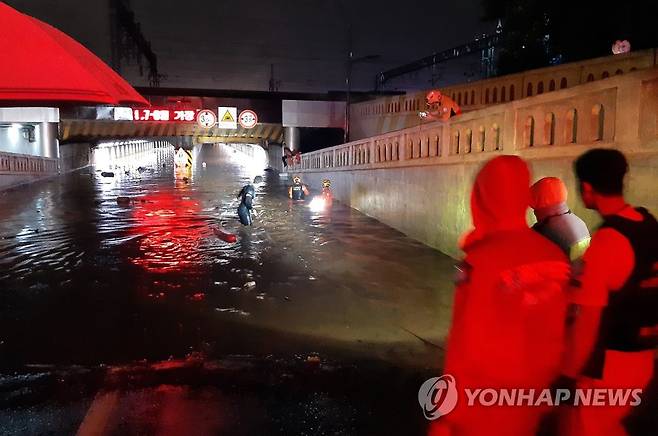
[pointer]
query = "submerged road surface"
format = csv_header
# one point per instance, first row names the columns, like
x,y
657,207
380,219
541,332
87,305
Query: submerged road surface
x,y
313,322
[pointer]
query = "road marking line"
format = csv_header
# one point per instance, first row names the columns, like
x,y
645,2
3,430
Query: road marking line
x,y
98,416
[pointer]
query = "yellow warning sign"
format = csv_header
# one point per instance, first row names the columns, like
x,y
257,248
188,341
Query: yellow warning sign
x,y
228,117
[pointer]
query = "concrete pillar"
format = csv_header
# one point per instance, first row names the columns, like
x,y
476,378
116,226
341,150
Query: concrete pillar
x,y
291,137
49,143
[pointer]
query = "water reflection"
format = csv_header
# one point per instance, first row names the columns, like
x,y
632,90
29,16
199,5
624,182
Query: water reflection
x,y
85,279
168,230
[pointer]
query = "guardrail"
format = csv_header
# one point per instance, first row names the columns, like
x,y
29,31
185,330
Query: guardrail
x,y
14,163
602,113
481,93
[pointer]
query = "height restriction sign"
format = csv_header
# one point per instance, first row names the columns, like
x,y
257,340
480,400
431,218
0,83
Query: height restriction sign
x,y
206,118
248,119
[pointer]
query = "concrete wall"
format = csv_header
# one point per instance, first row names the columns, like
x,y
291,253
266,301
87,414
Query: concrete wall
x,y
34,139
74,156
16,169
389,114
28,144
418,180
274,155
431,204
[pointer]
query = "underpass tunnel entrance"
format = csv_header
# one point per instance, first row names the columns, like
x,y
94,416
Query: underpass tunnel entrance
x,y
178,158
129,155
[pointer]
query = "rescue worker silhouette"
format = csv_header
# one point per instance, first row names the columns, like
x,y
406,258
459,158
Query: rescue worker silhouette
x,y
246,196
298,191
327,195
548,199
509,308
611,342
287,154
290,156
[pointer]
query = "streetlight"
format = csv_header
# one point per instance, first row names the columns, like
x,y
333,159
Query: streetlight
x,y
348,81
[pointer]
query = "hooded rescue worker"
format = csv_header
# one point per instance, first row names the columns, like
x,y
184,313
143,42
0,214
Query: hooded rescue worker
x,y
246,196
611,342
509,308
440,106
298,191
327,195
548,199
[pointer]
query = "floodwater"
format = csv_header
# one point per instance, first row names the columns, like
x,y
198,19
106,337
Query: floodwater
x,y
86,280
133,317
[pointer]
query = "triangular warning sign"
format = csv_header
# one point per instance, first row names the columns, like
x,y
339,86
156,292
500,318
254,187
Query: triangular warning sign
x,y
228,117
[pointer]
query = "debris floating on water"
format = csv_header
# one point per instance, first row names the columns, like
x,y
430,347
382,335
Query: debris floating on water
x,y
123,201
232,310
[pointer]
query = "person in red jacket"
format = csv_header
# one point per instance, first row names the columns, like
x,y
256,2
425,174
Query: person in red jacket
x,y
611,342
439,106
509,308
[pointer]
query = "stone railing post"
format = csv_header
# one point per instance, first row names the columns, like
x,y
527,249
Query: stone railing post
x,y
372,148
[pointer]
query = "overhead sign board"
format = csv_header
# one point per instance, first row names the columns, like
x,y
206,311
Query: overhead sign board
x,y
227,117
248,119
161,114
122,114
206,118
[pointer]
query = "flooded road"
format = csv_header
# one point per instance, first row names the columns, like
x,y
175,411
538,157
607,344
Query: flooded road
x,y
135,313
85,280
135,318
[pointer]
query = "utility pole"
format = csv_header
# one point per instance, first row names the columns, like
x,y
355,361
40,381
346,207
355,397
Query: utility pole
x,y
351,61
274,84
348,84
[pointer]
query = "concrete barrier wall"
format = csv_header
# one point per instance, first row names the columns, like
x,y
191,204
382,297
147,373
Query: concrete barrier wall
x,y
16,169
431,204
418,180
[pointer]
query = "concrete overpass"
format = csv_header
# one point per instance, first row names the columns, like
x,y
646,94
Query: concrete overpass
x,y
41,142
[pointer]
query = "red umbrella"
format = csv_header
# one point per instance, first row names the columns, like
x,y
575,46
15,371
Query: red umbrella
x,y
40,63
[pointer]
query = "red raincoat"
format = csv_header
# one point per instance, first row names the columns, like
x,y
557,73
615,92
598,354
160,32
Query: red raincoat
x,y
509,309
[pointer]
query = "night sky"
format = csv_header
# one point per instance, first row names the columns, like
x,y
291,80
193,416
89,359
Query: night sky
x,y
231,45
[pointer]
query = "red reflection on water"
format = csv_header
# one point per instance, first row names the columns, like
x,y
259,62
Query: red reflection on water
x,y
199,296
171,231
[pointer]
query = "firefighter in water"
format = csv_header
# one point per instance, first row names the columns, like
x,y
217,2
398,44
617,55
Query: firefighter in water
x,y
548,199
298,191
509,308
440,107
327,195
246,196
611,342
